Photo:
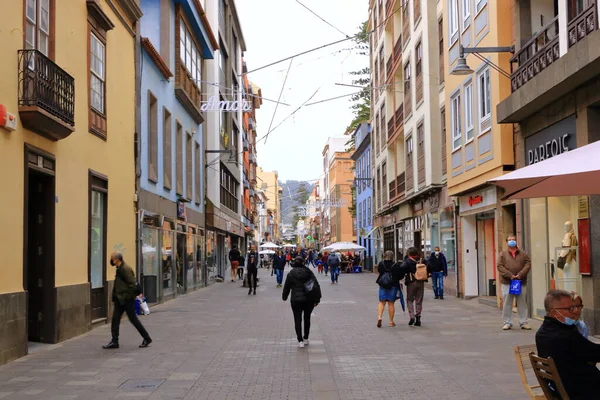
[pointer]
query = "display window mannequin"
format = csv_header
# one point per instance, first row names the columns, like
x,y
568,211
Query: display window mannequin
x,y
568,256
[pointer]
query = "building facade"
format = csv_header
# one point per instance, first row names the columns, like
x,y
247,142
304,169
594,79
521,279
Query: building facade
x,y
268,182
67,165
340,178
479,149
552,108
333,145
363,184
176,41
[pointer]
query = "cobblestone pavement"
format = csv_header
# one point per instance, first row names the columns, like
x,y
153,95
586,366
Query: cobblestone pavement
x,y
219,343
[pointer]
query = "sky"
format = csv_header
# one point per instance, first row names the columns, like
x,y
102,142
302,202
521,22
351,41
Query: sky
x,y
276,29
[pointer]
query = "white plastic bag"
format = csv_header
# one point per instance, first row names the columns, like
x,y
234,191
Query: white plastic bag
x,y
143,305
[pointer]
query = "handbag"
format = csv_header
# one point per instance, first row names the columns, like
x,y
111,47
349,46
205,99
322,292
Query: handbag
x,y
515,287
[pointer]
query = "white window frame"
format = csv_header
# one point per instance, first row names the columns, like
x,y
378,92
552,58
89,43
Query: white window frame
x,y
369,216
453,19
469,125
456,122
98,75
190,55
479,5
484,99
465,11
359,216
35,26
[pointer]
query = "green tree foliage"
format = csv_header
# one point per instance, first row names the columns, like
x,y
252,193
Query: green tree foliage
x,y
301,199
361,106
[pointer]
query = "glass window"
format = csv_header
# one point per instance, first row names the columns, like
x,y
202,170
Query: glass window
x,y
189,53
465,12
419,59
369,214
469,111
456,123
150,246
485,109
37,25
360,224
97,234
452,19
447,237
479,5
167,254
97,67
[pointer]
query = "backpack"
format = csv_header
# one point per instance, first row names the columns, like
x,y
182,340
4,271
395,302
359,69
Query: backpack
x,y
385,280
310,287
421,275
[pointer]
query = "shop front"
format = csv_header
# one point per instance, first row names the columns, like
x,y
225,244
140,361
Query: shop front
x,y
222,232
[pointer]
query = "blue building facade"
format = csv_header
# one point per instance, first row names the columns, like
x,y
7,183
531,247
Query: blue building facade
x,y
175,40
364,191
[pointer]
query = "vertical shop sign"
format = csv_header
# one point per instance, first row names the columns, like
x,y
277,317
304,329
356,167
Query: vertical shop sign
x,y
583,228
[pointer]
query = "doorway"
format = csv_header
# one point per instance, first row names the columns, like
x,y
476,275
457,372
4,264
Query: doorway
x,y
419,243
38,271
180,258
98,220
486,254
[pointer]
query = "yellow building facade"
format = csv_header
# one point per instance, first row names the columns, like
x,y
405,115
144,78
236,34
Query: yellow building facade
x,y
341,178
66,164
478,148
268,181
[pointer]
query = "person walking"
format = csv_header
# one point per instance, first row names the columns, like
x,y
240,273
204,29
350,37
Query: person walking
x,y
234,260
279,266
388,280
302,302
240,269
334,261
514,264
123,297
325,265
414,289
438,267
252,269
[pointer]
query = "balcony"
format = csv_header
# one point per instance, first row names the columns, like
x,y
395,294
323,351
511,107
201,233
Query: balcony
x,y
582,25
399,116
398,49
252,158
401,185
389,7
390,130
536,55
46,96
392,187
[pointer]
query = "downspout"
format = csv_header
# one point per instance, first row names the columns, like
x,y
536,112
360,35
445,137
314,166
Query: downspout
x,y
456,251
137,148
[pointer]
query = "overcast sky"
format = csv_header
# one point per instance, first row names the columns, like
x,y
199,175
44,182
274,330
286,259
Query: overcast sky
x,y
275,29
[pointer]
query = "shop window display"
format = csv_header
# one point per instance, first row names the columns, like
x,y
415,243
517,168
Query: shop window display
x,y
167,255
211,262
199,274
190,257
150,260
448,237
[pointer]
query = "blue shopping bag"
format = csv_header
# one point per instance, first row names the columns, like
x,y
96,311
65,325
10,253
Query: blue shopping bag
x,y
515,287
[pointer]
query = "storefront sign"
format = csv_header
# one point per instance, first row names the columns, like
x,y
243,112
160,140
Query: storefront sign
x,y
583,207
480,199
214,104
583,227
552,141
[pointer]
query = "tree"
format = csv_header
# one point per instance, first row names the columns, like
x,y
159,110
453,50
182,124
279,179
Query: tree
x,y
301,199
361,106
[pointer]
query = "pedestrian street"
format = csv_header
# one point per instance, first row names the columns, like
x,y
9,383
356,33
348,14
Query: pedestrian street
x,y
220,343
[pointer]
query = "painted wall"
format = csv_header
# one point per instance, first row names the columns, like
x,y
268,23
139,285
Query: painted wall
x,y
340,181
76,154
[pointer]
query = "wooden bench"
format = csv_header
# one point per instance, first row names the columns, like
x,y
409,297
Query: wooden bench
x,y
546,373
526,372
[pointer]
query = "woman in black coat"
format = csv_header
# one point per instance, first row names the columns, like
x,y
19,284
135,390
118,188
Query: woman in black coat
x,y
301,301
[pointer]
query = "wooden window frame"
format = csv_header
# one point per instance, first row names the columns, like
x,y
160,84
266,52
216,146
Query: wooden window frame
x,y
51,26
419,59
179,156
167,158
197,175
188,162
469,117
99,183
152,145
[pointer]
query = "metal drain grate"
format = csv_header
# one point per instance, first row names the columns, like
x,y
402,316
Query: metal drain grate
x,y
141,384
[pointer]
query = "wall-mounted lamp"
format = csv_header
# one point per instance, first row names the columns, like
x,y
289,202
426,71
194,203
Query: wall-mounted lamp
x,y
462,68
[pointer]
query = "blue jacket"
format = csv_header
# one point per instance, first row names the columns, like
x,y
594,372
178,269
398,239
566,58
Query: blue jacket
x,y
437,263
279,262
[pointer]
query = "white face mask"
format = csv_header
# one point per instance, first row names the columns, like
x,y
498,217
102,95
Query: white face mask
x,y
437,253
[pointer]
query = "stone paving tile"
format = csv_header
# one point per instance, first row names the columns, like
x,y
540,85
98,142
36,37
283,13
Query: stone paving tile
x,y
219,343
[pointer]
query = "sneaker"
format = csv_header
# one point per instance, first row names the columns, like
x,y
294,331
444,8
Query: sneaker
x,y
411,322
379,323
306,342
300,345
506,327
526,327
418,321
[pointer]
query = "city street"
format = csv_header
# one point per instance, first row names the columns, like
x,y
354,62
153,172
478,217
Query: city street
x,y
220,343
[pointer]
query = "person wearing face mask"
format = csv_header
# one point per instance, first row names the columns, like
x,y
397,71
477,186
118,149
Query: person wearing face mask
x,y
574,355
513,264
123,296
438,267
578,306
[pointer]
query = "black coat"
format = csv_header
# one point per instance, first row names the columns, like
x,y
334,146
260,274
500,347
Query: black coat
x,y
572,354
295,281
279,262
252,265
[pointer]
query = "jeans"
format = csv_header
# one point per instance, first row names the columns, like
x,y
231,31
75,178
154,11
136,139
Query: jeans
x,y
298,309
129,309
507,312
326,267
438,283
335,273
252,275
414,294
279,276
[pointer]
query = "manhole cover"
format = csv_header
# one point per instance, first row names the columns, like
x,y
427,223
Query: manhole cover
x,y
141,384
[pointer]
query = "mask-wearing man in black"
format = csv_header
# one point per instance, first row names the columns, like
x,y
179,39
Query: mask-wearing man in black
x,y
252,269
574,355
123,297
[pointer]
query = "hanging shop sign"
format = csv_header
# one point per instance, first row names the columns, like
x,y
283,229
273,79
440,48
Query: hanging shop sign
x,y
552,141
215,104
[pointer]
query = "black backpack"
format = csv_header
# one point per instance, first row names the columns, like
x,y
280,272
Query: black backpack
x,y
385,280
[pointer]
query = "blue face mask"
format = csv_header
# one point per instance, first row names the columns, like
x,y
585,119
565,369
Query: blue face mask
x,y
512,243
569,321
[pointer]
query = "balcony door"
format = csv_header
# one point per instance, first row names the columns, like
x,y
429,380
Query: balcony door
x,y
39,26
97,257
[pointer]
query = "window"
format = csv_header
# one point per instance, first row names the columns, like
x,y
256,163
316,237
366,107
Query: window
x,y
381,67
234,52
364,212
197,181
409,151
229,189
407,79
378,188
485,110
417,10
188,52
152,138
97,76
359,215
178,157
37,25
479,5
456,122
98,192
369,214
469,112
376,69
222,65
452,19
382,127
188,165
444,141
384,186
419,59
167,149
234,142
359,175
441,48
466,13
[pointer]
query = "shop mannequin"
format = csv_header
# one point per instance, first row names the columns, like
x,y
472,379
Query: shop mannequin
x,y
567,256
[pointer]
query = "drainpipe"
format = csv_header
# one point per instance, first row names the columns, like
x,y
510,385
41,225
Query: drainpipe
x,y
137,149
456,251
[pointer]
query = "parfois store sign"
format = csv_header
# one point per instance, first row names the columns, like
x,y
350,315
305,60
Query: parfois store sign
x,y
214,104
552,141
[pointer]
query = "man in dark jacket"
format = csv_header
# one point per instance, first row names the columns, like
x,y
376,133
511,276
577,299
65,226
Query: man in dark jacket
x,y
279,267
573,354
334,262
234,260
123,297
414,289
252,269
438,267
301,301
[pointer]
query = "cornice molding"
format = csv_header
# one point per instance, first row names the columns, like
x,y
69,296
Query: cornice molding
x,y
155,56
131,8
95,11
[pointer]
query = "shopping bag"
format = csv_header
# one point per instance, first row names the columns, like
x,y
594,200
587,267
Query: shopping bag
x,y
144,307
515,287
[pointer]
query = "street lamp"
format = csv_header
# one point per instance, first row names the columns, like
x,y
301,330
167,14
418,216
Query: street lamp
x,y
462,68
